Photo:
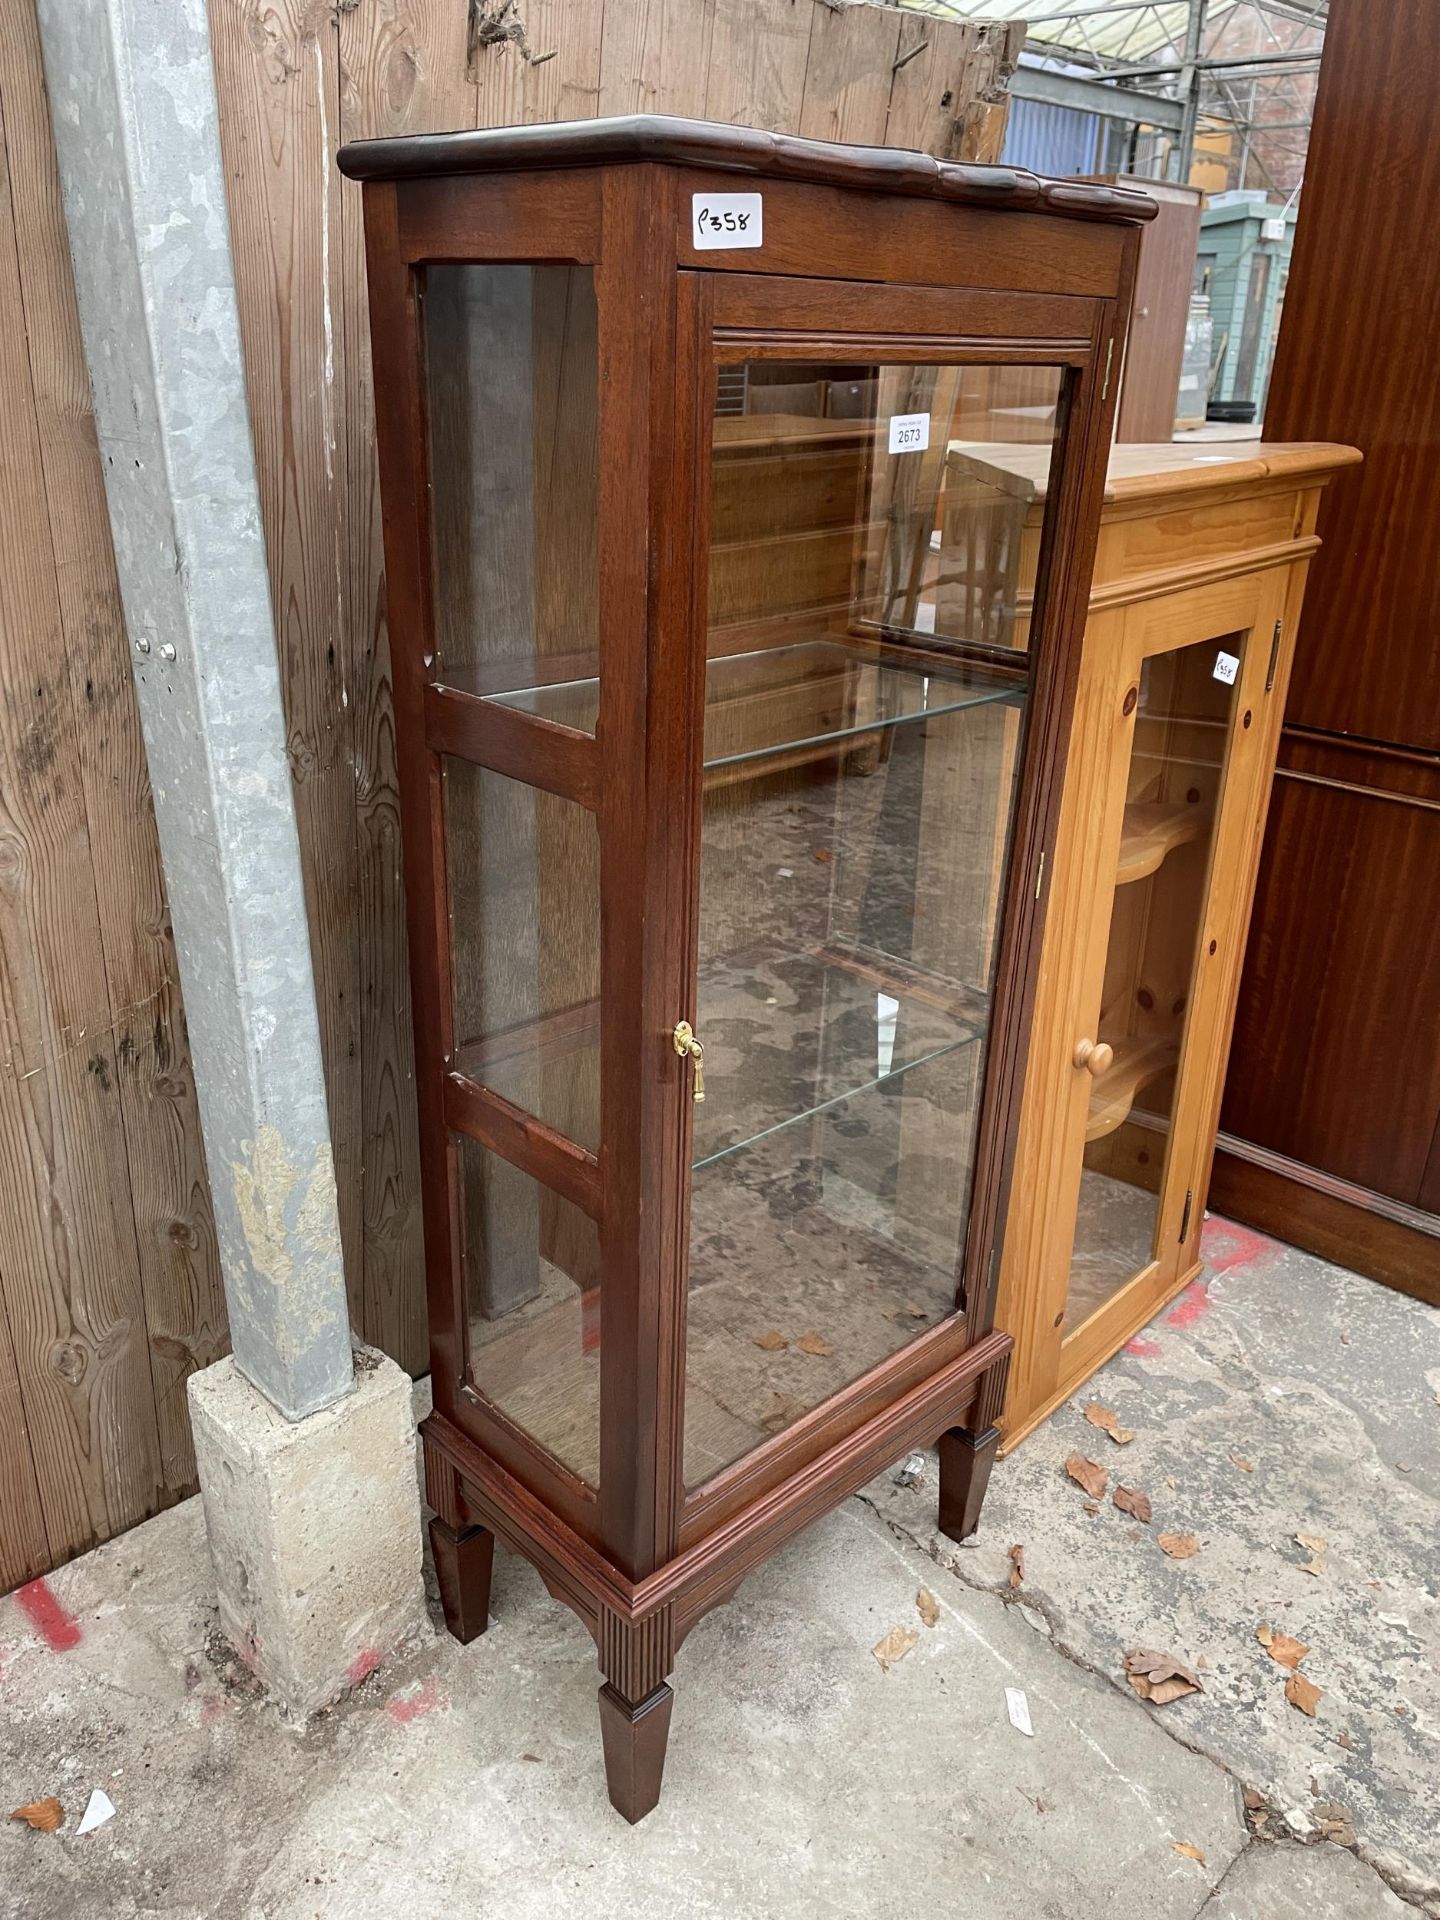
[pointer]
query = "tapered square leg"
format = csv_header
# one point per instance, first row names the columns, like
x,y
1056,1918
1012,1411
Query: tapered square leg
x,y
462,1566
634,1739
965,1462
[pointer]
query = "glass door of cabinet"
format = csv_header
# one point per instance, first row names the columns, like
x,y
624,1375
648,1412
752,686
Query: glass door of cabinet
x,y
1181,689
515,677
864,712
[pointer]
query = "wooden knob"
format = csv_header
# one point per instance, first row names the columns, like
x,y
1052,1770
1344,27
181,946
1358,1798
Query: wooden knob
x,y
1095,1056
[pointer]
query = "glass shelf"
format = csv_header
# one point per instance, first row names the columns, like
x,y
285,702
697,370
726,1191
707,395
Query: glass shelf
x,y
852,1023
798,699
791,1035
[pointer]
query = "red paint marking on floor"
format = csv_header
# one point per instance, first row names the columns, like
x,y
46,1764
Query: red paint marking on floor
x,y
1143,1349
1193,1305
363,1665
1228,1245
213,1710
53,1621
416,1705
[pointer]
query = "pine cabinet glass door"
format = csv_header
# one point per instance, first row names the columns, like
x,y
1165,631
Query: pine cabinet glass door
x,y
1173,695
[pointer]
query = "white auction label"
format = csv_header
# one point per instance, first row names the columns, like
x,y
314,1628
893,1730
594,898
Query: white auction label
x,y
1226,668
909,432
726,220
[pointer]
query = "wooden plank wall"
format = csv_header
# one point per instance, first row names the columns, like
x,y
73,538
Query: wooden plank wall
x,y
109,1283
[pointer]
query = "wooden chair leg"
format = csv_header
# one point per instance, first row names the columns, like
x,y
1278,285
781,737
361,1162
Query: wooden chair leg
x,y
462,1566
965,1462
634,1737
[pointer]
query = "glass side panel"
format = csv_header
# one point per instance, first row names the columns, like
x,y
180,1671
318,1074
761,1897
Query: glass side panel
x,y
511,371
1182,727
523,872
865,698
531,1266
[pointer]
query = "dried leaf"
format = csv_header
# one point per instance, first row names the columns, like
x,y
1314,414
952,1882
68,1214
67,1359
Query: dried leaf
x,y
1190,1853
1282,1648
1303,1693
772,1342
822,854
1243,1465
1317,1549
894,1647
1092,1507
1103,1418
927,1606
783,1411
1179,1546
1089,1474
45,1816
816,1344
1344,1740
1159,1677
1254,1801
1017,1564
1130,1500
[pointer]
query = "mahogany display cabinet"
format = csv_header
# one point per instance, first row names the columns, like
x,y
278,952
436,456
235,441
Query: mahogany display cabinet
x,y
726,797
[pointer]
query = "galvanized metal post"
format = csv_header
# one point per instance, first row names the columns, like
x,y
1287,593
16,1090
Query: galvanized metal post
x,y
1190,87
133,102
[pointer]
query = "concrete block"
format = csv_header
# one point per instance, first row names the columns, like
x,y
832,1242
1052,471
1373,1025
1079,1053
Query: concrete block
x,y
314,1528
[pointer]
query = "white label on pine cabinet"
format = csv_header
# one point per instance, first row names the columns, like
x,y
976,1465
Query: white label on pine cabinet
x,y
1226,668
726,220
909,432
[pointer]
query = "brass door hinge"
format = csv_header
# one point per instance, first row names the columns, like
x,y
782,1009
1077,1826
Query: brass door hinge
x,y
1185,1216
1274,656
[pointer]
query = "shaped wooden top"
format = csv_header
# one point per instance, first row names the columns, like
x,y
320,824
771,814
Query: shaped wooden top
x,y
741,150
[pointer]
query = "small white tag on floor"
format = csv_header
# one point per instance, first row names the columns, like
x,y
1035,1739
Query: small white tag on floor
x,y
1019,1708
726,220
909,432
99,1808
1226,668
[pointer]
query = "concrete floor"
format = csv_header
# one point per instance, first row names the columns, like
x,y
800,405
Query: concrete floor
x,y
803,1778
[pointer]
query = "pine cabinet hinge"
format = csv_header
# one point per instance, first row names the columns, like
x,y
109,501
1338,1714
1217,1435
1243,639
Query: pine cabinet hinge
x,y
1274,655
1185,1216
1040,874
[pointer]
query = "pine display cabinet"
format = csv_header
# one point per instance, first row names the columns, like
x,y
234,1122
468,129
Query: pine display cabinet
x,y
726,790
1194,613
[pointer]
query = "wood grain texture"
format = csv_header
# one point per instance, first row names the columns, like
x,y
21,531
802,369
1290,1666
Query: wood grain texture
x,y
758,56
655,56
1150,381
179,1260
1333,952
1229,576
1360,307
69,1262
1333,1095
403,67
850,74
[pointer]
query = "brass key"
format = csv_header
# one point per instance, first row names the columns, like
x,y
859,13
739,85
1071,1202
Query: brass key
x,y
689,1047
